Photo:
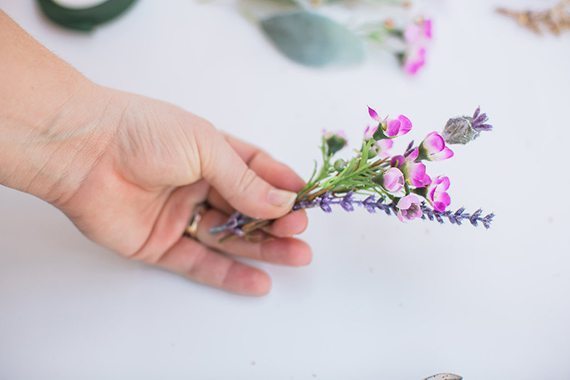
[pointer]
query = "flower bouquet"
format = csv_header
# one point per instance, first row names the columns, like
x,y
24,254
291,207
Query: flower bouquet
x,y
378,181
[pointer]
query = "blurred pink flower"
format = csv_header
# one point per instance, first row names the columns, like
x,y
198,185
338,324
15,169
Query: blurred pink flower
x,y
415,60
427,26
413,33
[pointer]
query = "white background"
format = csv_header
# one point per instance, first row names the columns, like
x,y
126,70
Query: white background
x,y
381,300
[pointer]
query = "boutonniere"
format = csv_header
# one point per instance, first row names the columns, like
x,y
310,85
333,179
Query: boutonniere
x,y
379,180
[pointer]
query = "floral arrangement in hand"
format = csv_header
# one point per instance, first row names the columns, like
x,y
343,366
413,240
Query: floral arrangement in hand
x,y
378,180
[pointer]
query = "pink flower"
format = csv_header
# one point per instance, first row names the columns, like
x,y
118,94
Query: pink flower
x,y
427,26
433,148
390,128
393,180
414,172
382,148
419,31
415,60
437,193
409,208
398,127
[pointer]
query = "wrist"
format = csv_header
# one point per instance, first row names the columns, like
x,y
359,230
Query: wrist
x,y
49,145
53,121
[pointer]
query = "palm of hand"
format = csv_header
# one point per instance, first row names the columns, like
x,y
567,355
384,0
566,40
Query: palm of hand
x,y
139,195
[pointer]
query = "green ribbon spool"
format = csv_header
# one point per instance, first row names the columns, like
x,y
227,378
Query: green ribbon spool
x,y
84,19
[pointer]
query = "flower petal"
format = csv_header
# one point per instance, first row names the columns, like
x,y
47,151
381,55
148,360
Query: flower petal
x,y
373,114
433,143
393,127
405,125
443,155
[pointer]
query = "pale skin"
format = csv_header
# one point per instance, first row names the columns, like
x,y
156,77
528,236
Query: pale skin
x,y
129,171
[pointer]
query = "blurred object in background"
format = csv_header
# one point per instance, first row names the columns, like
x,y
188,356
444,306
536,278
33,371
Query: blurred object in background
x,y
555,19
335,33
444,376
83,15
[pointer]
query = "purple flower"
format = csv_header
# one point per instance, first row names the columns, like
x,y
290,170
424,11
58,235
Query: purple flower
x,y
325,202
393,180
370,204
479,121
433,148
437,193
398,126
409,208
346,202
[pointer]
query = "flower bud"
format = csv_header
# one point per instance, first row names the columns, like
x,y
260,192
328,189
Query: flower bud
x,y
459,130
339,165
335,141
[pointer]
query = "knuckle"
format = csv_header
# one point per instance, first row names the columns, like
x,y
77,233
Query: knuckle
x,y
246,181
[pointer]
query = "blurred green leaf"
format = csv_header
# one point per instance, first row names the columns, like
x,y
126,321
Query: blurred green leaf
x,y
313,40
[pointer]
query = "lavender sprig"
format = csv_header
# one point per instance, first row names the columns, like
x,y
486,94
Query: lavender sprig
x,y
461,130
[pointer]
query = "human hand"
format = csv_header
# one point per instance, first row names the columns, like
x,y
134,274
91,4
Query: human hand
x,y
151,164
129,171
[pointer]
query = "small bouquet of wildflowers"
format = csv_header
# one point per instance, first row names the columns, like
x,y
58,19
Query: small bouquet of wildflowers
x,y
379,181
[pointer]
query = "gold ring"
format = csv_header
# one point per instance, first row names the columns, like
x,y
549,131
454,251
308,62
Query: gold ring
x,y
197,214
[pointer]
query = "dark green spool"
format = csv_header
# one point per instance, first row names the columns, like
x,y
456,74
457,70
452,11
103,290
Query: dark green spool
x,y
84,19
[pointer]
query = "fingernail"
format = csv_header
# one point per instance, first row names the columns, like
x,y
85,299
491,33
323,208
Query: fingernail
x,y
281,198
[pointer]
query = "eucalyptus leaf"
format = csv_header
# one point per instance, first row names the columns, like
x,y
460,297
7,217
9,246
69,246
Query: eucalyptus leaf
x,y
313,40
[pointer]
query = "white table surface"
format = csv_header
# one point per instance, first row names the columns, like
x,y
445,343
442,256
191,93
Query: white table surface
x,y
381,300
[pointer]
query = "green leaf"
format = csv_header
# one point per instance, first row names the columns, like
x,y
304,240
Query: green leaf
x,y
313,40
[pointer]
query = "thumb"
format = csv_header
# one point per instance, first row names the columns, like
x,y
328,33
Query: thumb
x,y
248,193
